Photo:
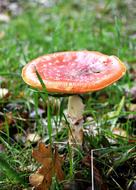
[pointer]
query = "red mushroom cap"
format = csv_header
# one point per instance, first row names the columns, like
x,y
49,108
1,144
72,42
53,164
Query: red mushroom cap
x,y
74,72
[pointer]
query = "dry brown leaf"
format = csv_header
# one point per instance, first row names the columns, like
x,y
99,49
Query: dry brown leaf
x,y
36,179
8,120
43,154
51,166
58,161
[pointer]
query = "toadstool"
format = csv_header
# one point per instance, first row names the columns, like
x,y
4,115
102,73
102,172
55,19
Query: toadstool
x,y
74,73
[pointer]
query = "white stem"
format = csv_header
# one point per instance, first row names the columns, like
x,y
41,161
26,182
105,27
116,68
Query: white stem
x,y
75,117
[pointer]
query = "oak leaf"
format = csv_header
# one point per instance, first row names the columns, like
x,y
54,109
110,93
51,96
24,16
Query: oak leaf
x,y
51,166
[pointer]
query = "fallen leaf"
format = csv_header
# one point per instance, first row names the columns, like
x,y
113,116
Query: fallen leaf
x,y
58,161
132,107
4,18
43,154
119,132
3,92
51,165
33,137
8,120
36,179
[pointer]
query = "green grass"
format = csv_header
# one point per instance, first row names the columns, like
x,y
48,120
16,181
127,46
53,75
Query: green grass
x,y
67,25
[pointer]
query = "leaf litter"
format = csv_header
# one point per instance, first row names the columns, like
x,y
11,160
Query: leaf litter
x,y
51,166
110,118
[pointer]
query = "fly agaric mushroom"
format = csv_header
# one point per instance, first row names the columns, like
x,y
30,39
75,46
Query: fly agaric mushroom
x,y
74,72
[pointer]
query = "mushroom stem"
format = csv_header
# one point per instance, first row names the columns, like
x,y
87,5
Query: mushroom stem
x,y
75,118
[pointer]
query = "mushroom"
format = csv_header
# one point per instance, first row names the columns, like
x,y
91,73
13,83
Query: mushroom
x,y
74,73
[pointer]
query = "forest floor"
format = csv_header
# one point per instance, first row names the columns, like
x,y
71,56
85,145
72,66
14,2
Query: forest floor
x,y
33,28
